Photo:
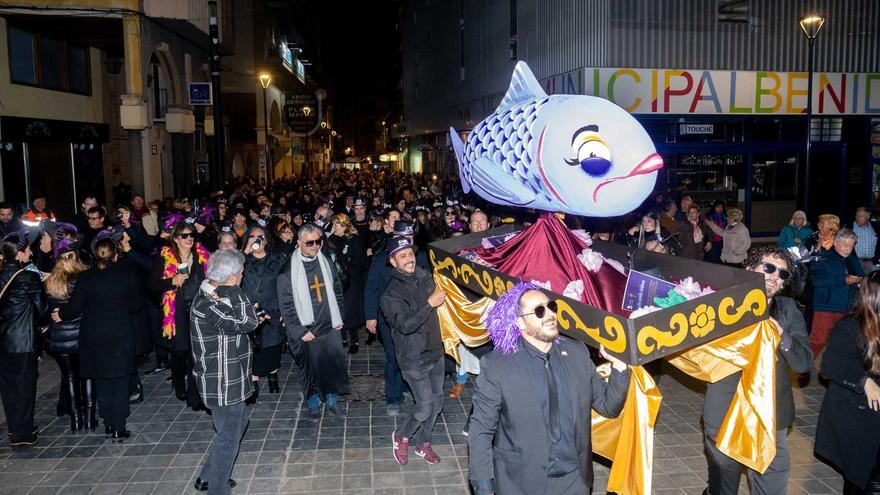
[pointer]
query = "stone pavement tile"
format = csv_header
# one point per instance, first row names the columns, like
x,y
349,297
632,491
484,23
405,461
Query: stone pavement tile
x,y
298,470
75,490
295,485
268,470
179,474
357,467
326,483
171,487
117,475
417,479
108,489
43,490
148,475
388,491
357,481
264,485
387,480
242,471
138,488
451,490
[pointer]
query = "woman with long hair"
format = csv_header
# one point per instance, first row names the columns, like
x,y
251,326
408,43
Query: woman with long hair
x,y
22,303
178,271
348,246
283,236
848,429
262,266
62,338
106,297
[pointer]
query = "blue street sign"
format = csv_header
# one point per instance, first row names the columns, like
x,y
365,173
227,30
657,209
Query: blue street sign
x,y
199,93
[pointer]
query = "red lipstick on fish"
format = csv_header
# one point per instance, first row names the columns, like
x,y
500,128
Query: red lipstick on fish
x,y
651,163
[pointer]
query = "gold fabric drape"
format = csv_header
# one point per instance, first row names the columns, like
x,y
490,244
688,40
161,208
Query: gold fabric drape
x,y
748,432
460,318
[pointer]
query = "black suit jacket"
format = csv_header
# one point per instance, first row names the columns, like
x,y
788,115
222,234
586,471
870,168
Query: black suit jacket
x,y
509,439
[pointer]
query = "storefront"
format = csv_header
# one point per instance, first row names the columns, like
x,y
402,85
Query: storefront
x,y
61,159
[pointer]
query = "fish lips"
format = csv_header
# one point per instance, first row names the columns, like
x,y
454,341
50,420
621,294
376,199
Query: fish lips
x,y
651,163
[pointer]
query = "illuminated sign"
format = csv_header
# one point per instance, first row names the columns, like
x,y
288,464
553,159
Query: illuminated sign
x,y
291,64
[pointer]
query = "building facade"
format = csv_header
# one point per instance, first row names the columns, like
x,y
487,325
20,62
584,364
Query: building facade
x,y
720,86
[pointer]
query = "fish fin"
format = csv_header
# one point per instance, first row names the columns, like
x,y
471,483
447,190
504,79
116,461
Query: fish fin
x,y
523,87
458,146
491,178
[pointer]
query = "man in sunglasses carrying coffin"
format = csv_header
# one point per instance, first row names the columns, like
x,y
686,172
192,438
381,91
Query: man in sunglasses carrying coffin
x,y
794,352
310,300
530,429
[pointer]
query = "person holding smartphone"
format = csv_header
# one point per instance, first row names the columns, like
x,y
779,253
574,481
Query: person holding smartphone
x,y
177,272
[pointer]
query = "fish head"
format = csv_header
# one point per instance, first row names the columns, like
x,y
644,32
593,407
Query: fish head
x,y
594,157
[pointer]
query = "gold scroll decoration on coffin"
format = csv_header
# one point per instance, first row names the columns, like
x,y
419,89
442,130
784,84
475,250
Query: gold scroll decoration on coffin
x,y
490,284
700,322
612,334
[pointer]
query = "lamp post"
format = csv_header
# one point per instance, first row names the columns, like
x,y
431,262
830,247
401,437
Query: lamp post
x,y
811,26
265,79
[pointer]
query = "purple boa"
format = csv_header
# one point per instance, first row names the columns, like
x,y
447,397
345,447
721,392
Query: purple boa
x,y
501,319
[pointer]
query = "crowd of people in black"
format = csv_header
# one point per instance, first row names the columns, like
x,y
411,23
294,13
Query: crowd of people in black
x,y
307,264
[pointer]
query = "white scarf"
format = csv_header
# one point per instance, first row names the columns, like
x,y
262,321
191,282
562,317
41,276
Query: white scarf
x,y
302,300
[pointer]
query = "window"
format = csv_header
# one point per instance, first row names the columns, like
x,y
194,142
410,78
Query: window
x,y
21,51
41,60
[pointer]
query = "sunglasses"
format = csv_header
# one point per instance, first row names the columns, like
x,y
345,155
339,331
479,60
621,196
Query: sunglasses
x,y
316,242
770,268
541,309
185,235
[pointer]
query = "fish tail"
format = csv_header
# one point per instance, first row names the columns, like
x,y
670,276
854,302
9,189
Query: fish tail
x,y
458,146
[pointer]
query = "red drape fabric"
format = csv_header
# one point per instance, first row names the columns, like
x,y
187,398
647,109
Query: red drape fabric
x,y
548,250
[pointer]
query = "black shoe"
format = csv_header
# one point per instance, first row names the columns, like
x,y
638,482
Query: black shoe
x,y
371,339
337,410
158,369
76,422
202,485
273,383
199,407
119,436
315,414
353,348
344,342
255,395
25,441
138,395
108,431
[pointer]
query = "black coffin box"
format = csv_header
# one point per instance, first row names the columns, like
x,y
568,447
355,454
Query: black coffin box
x,y
739,300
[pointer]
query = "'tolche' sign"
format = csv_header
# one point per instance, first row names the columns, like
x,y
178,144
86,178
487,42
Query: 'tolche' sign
x,y
200,93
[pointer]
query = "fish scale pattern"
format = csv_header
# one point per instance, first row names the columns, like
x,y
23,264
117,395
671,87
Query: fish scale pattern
x,y
506,138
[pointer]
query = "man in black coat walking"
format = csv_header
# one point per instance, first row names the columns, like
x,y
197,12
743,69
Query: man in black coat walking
x,y
409,305
530,429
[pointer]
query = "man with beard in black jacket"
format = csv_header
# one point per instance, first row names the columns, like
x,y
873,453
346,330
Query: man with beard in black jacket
x,y
409,305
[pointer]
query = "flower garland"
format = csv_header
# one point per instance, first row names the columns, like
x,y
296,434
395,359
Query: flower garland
x,y
169,297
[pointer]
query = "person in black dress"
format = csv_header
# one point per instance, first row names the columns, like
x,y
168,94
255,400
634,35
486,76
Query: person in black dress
x,y
348,246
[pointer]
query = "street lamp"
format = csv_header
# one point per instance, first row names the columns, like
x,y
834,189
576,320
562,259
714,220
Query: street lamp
x,y
266,78
811,25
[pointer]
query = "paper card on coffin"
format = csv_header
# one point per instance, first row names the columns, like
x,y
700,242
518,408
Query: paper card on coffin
x,y
739,301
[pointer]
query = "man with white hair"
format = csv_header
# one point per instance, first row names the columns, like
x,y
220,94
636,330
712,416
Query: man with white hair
x,y
220,319
310,300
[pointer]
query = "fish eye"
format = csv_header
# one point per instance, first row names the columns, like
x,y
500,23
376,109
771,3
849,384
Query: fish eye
x,y
593,149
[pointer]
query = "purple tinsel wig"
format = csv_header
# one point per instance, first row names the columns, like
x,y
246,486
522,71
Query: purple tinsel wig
x,y
501,319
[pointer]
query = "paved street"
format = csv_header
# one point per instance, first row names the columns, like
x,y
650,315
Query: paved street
x,y
284,454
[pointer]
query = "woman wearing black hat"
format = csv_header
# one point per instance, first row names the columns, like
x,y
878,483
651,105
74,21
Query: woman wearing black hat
x,y
261,268
63,337
349,247
178,271
106,296
22,302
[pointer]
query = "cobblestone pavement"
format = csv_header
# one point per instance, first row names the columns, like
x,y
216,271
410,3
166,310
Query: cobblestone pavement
x,y
282,453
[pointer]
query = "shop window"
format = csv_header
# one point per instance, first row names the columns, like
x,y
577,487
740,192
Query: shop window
x,y
21,54
707,177
41,60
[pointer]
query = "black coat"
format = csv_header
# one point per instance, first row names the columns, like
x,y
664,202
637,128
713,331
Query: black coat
x,y
22,305
354,256
414,324
848,431
106,299
139,264
259,284
63,337
509,438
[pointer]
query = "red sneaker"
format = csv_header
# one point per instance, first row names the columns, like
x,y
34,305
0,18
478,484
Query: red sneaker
x,y
400,448
426,452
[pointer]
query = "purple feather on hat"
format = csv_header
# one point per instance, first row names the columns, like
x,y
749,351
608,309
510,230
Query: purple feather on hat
x,y
173,219
207,214
501,319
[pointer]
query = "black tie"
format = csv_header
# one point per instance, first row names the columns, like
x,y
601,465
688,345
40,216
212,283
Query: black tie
x,y
554,399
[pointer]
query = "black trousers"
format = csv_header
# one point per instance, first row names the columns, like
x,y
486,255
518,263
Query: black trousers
x,y
113,401
18,389
182,377
426,384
